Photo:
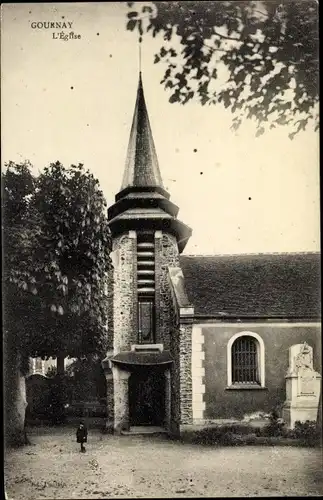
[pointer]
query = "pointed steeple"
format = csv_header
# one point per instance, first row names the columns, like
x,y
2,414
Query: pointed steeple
x,y
142,169
143,204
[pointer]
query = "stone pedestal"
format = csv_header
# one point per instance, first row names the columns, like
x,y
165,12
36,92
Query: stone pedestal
x,y
303,386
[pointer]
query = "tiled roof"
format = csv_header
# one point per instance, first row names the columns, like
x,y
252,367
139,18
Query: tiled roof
x,y
260,285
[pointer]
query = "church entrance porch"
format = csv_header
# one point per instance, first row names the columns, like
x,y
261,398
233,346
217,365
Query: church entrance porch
x,y
139,391
147,397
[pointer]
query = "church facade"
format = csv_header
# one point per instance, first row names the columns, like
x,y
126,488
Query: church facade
x,y
194,339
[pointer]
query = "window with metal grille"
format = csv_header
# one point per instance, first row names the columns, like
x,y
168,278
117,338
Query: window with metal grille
x,y
245,361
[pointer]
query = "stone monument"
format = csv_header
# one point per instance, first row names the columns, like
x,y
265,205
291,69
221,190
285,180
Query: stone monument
x,y
303,386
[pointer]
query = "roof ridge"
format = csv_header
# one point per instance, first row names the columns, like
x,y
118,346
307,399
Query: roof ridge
x,y
251,254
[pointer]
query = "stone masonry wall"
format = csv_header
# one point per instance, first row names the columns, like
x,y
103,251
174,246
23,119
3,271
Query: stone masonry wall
x,y
175,375
181,315
166,254
181,375
110,310
124,292
122,318
185,356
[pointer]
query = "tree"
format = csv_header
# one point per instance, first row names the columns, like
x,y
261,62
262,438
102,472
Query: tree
x,y
19,234
72,260
268,51
56,257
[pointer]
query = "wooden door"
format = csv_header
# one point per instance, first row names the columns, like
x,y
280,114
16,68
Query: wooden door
x,y
147,397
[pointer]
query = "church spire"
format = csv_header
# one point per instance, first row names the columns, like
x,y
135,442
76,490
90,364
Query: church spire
x,y
142,169
143,204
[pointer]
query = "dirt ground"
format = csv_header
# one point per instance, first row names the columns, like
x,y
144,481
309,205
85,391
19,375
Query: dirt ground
x,y
141,466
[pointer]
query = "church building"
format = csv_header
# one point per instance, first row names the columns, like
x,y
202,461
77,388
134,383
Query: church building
x,y
195,339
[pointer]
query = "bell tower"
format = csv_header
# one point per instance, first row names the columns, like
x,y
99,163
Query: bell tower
x,y
147,238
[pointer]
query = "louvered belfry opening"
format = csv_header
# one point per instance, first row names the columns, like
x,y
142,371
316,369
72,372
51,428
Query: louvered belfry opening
x,y
245,361
146,287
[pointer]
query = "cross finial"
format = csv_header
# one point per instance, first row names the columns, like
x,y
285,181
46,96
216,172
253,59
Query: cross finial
x,y
140,41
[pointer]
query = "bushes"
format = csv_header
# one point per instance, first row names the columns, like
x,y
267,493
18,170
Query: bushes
x,y
276,425
308,432
275,433
226,435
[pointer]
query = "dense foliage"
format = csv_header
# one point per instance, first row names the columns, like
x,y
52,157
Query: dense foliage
x,y
259,59
56,257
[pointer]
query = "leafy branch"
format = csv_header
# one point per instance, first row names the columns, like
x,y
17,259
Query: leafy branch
x,y
270,57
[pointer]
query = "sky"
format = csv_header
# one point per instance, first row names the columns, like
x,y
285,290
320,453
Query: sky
x,y
73,101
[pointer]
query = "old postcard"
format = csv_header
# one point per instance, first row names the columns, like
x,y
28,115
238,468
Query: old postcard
x,y
161,263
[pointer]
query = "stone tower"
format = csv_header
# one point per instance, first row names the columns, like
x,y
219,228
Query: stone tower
x,y
142,365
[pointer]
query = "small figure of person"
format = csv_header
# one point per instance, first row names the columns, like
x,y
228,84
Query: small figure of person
x,y
81,435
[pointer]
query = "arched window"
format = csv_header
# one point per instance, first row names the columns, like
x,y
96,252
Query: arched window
x,y
246,360
245,369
